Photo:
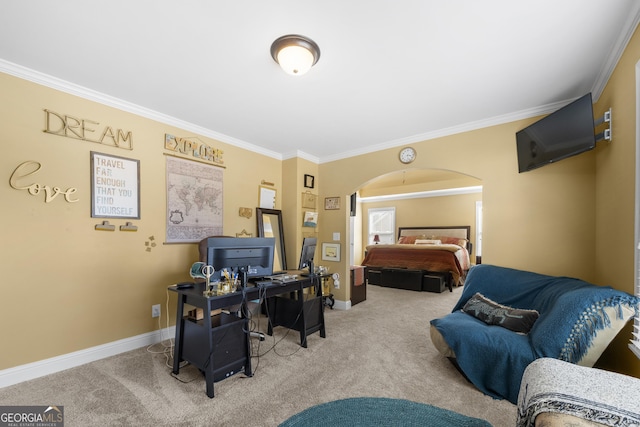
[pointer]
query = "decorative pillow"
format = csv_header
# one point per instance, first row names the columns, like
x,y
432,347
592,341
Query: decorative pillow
x,y
453,240
428,242
493,313
408,240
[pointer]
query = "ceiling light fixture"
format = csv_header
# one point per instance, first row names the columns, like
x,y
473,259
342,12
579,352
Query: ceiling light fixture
x,y
295,54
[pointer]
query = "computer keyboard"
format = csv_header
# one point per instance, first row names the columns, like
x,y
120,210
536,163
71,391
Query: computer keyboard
x,y
282,278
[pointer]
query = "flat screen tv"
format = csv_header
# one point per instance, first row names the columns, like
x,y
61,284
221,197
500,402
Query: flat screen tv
x,y
563,133
253,255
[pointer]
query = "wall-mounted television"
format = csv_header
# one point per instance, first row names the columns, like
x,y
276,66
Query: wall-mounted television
x,y
563,133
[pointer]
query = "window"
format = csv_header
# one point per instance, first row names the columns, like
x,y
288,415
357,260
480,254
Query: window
x,y
382,222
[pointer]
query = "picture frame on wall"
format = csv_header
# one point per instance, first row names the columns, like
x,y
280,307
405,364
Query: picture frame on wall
x,y
115,186
310,219
331,203
331,252
309,181
266,197
187,180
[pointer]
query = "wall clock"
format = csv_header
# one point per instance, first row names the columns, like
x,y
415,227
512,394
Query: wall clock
x,y
407,155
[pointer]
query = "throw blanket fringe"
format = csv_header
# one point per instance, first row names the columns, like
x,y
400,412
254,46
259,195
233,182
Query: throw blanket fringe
x,y
592,319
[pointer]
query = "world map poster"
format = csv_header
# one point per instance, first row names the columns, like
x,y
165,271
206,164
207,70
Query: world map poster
x,y
194,200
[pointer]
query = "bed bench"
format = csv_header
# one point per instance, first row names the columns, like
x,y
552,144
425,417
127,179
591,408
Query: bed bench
x,y
410,279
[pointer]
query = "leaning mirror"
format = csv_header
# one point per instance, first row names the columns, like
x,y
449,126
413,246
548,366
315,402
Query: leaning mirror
x,y
270,225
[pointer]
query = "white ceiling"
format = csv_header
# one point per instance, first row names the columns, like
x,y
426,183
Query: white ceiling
x,y
390,72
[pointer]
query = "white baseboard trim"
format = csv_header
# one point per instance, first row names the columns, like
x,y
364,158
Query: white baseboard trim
x,y
44,367
342,305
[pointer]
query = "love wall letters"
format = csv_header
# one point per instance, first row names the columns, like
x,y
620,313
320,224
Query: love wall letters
x,y
29,168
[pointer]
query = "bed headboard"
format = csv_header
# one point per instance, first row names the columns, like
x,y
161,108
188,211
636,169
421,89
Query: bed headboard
x,y
458,231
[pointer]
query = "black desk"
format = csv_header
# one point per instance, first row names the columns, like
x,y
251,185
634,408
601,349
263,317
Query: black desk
x,y
297,311
219,345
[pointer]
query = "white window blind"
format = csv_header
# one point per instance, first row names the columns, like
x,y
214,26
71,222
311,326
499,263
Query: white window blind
x,y
382,222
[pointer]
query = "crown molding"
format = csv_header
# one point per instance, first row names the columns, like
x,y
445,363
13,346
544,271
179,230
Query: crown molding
x,y
110,101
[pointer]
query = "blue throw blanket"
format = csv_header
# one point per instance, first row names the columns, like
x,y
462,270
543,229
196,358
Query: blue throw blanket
x,y
494,358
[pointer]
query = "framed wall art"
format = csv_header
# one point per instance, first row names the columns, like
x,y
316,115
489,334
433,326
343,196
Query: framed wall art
x,y
331,252
309,181
194,200
266,197
115,187
310,219
331,203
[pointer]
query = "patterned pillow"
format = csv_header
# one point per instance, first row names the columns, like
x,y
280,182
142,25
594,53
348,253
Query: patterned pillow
x,y
408,240
492,313
428,242
453,240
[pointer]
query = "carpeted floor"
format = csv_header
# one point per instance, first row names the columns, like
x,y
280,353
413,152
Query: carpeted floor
x,y
379,348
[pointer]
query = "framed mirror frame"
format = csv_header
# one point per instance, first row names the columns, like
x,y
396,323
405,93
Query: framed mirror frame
x,y
270,225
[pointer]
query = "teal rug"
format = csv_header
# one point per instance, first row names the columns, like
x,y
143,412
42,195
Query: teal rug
x,y
370,411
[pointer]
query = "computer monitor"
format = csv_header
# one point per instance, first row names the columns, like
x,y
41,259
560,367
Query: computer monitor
x,y
307,253
249,257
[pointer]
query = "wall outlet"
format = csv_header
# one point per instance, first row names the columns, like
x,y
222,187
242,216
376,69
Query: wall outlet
x,y
155,310
336,284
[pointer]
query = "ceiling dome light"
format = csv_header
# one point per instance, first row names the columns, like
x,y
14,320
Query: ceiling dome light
x,y
295,54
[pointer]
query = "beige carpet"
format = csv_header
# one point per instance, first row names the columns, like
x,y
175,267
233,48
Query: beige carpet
x,y
379,348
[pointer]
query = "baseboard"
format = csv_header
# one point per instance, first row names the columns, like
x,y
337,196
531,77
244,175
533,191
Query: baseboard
x,y
44,367
342,305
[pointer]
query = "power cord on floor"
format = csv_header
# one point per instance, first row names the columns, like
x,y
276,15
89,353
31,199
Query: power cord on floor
x,y
166,345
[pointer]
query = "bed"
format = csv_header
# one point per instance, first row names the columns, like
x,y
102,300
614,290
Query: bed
x,y
423,259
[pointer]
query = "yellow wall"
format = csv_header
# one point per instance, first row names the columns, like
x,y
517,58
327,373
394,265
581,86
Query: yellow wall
x,y
523,213
294,171
615,197
68,287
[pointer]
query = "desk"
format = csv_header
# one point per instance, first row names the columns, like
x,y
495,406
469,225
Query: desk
x,y
303,313
220,345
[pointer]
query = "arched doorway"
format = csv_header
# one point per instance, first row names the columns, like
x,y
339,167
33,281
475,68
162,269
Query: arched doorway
x,y
419,197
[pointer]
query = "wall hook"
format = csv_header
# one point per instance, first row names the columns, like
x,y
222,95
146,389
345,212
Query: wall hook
x,y
105,226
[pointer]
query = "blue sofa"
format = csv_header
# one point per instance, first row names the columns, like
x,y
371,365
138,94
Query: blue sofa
x,y
577,320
